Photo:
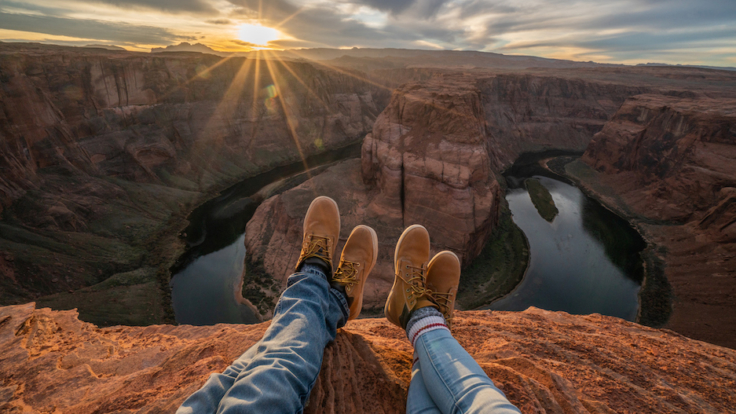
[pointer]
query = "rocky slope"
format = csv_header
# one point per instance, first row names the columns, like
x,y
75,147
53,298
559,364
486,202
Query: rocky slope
x,y
543,361
669,164
103,154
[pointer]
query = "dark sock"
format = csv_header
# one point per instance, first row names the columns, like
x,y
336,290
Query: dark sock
x,y
316,261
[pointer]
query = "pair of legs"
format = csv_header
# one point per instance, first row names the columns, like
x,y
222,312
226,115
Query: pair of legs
x,y
277,373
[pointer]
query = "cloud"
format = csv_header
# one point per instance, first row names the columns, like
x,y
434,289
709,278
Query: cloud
x,y
615,30
89,29
219,21
174,6
321,26
621,30
244,43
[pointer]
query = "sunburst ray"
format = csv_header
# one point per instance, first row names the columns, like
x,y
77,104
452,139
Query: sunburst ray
x,y
209,139
285,65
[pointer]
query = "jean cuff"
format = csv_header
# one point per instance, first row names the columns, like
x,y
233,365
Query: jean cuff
x,y
344,307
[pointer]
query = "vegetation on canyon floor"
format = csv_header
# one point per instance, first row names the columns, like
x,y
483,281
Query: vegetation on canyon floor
x,y
542,199
259,287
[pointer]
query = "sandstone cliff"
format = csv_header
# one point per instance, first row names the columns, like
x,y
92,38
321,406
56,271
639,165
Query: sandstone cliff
x,y
545,362
680,152
669,165
428,159
527,113
104,153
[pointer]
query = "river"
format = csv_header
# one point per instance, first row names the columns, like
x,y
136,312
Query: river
x,y
587,260
207,277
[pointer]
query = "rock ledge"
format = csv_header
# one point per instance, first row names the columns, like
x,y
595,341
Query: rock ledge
x,y
544,361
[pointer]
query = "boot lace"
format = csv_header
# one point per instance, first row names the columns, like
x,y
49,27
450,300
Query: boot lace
x,y
316,246
347,274
415,281
445,302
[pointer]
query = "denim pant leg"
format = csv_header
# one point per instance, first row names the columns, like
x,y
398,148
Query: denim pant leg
x,y
419,401
455,382
277,373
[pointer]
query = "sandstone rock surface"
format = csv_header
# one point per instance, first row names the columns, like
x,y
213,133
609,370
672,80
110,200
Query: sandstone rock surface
x,y
544,362
669,165
428,158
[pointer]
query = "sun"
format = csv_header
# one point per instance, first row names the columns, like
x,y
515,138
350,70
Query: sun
x,y
257,34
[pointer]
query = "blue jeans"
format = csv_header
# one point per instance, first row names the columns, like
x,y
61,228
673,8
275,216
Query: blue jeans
x,y
446,379
277,373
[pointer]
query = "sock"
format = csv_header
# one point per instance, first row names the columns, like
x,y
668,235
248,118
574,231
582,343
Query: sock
x,y
315,261
424,320
338,293
322,265
311,268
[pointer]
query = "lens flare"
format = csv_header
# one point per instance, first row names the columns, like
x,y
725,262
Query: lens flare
x,y
270,101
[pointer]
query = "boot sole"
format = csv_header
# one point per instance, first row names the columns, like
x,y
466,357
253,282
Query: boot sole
x,y
396,254
367,271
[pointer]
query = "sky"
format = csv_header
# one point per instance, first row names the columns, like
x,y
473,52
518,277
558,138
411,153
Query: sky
x,y
700,32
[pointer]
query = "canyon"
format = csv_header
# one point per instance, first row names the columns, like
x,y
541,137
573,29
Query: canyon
x,y
105,153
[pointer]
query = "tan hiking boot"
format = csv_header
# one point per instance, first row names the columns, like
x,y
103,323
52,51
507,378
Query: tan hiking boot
x,y
356,262
321,230
443,278
409,292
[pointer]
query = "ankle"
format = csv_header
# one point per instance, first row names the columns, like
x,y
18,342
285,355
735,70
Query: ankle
x,y
424,320
316,262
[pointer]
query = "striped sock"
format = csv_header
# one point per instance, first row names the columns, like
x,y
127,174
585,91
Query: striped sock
x,y
424,320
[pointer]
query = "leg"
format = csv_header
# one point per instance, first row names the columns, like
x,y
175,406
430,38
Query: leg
x,y
419,401
421,301
277,373
455,381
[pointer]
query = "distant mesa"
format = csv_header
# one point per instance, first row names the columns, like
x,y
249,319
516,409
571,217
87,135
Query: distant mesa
x,y
107,47
689,66
187,47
